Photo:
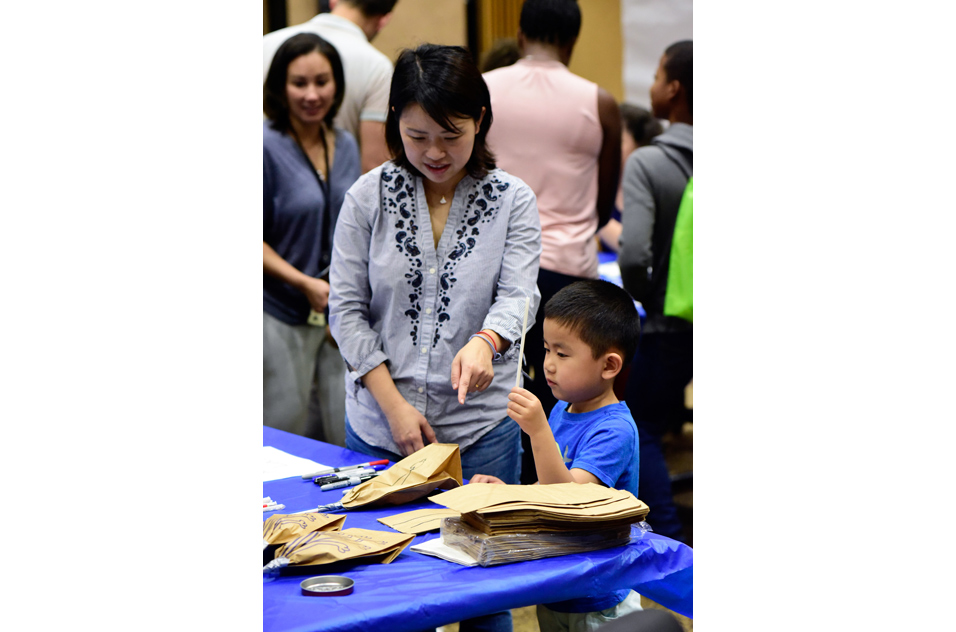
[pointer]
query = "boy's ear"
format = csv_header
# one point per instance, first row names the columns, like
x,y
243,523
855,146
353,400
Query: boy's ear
x,y
612,365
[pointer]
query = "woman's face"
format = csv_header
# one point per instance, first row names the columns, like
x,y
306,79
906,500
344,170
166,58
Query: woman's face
x,y
309,88
440,154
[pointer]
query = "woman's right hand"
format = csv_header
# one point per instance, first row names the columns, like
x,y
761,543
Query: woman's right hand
x,y
317,291
408,425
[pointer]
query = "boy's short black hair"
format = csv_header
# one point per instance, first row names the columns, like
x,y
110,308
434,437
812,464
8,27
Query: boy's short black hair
x,y
600,313
679,66
445,82
551,21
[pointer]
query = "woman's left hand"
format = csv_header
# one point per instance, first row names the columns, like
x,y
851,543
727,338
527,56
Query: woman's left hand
x,y
471,370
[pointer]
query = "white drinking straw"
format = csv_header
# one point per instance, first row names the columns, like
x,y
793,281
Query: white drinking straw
x,y
524,328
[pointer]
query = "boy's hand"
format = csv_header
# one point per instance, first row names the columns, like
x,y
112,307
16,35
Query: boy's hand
x,y
526,409
486,478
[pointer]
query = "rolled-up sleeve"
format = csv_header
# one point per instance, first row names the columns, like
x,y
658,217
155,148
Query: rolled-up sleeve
x,y
350,294
517,281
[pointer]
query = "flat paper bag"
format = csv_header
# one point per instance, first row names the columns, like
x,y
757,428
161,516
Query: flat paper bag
x,y
436,466
476,496
326,547
418,521
282,528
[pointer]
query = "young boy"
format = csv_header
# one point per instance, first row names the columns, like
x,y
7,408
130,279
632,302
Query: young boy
x,y
591,330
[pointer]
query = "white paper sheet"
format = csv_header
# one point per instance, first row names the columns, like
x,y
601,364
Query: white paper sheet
x,y
277,464
438,548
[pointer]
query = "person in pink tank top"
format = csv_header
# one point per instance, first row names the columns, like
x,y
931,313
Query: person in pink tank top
x,y
561,134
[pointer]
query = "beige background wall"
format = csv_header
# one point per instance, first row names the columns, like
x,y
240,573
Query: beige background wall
x,y
598,55
415,22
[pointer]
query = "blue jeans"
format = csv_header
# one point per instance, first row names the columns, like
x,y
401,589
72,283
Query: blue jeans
x,y
497,452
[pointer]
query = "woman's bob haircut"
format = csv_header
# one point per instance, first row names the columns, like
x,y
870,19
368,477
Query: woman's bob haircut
x,y
274,101
445,82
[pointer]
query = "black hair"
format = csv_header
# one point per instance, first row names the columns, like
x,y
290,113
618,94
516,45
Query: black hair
x,y
601,314
679,66
640,123
274,101
445,82
503,52
551,21
372,8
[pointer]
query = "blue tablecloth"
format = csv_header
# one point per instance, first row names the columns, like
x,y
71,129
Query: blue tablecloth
x,y
417,592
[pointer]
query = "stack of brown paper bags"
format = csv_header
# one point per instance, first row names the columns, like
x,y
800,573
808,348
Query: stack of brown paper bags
x,y
510,523
497,509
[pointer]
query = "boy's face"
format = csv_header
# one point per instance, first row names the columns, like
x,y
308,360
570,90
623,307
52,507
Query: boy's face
x,y
572,372
662,91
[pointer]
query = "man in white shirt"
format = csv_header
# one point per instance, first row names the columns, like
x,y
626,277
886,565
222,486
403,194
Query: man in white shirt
x,y
350,26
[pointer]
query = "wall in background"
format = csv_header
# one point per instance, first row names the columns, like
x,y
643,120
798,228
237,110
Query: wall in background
x,y
620,44
650,26
415,22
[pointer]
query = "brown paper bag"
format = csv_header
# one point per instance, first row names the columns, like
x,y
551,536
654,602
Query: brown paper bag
x,y
476,496
436,466
418,521
282,528
326,547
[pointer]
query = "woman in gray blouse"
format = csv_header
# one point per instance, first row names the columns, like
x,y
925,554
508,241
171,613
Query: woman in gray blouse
x,y
434,258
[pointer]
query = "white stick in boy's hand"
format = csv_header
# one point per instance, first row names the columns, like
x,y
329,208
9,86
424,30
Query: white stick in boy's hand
x,y
524,329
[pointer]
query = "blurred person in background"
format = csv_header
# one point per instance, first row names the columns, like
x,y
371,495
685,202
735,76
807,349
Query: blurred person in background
x,y
561,134
655,177
307,166
350,26
638,127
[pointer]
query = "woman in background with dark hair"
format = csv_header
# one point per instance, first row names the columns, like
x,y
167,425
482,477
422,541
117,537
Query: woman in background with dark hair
x,y
638,128
307,167
435,254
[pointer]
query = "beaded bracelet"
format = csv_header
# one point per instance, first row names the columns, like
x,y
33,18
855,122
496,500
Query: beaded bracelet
x,y
495,356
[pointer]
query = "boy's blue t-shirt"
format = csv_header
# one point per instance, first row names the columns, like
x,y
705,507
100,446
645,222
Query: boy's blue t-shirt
x,y
604,443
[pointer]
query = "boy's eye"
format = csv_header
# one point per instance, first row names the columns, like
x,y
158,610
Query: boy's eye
x,y
562,355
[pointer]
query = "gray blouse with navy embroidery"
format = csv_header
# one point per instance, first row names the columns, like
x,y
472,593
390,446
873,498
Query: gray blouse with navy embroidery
x,y
397,299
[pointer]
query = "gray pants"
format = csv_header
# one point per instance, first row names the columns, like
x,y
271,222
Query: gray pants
x,y
303,388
